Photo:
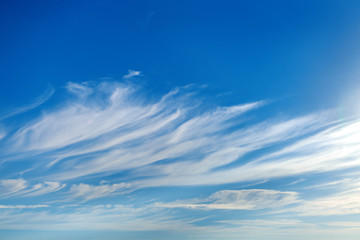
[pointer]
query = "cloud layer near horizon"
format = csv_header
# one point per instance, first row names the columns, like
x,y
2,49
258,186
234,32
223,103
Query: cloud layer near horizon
x,y
109,140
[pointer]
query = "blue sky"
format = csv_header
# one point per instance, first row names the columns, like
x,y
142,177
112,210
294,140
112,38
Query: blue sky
x,y
179,120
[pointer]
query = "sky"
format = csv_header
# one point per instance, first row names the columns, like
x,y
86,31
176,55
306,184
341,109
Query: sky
x,y
185,120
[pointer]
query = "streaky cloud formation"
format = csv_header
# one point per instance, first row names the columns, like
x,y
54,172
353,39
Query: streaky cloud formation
x,y
2,133
97,217
108,142
344,201
179,120
113,128
109,129
88,192
21,188
11,186
34,104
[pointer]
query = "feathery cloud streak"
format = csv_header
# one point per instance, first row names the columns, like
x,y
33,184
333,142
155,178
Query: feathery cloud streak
x,y
20,187
88,192
110,127
34,104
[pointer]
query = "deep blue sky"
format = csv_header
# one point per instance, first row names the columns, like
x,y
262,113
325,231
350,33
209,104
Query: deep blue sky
x,y
179,120
256,49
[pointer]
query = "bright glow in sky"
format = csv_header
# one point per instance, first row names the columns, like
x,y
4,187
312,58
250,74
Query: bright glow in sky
x,y
179,120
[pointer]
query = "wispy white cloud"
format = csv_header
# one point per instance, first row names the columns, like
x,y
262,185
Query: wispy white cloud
x,y
34,104
274,222
132,73
116,124
22,188
79,90
343,202
22,206
11,186
44,188
354,224
98,217
331,149
79,121
331,184
88,192
279,228
297,181
250,199
2,133
340,197
146,218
